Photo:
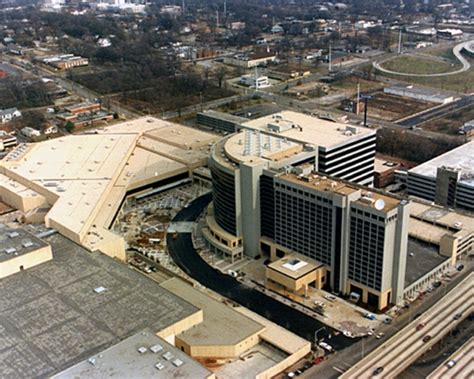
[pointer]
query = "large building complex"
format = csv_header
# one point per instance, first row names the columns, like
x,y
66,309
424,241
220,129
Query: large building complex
x,y
76,184
447,179
269,200
358,237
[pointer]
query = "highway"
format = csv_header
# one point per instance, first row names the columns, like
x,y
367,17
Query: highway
x,y
464,364
437,112
456,51
404,348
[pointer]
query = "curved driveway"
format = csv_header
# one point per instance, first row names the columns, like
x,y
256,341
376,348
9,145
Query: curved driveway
x,y
456,51
187,258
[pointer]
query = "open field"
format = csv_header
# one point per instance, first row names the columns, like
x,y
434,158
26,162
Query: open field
x,y
462,83
418,65
451,123
392,108
350,85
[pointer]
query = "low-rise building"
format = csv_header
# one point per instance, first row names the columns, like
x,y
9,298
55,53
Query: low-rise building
x,y
419,93
7,140
83,114
65,61
29,132
254,81
450,33
384,172
251,60
467,128
9,114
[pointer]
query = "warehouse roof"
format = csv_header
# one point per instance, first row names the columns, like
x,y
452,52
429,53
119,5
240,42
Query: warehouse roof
x,y
54,314
221,326
143,355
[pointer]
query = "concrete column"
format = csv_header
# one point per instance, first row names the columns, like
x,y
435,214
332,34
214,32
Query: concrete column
x,y
400,251
250,173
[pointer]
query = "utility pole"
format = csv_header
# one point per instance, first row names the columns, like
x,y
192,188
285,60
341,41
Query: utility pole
x,y
358,98
225,8
217,18
183,6
316,335
330,68
400,41
256,79
366,99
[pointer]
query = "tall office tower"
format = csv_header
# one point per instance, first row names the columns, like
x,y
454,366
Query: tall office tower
x,y
268,199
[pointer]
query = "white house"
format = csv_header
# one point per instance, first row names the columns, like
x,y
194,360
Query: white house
x,y
9,114
30,132
51,129
254,81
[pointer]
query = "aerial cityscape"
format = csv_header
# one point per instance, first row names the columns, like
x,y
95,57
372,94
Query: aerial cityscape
x,y
236,189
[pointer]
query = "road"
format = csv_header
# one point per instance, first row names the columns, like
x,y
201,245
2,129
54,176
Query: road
x,y
337,364
464,367
403,349
77,89
456,51
186,257
437,112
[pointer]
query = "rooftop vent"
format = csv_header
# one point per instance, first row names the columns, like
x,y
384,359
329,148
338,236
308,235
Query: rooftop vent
x,y
142,349
159,366
156,348
100,289
168,355
13,234
177,362
27,243
10,250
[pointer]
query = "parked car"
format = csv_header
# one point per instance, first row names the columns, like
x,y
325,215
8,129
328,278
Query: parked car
x,y
330,297
369,315
377,371
426,338
387,320
326,347
450,364
420,326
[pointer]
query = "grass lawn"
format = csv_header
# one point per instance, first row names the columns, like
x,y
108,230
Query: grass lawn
x,y
350,84
417,65
462,83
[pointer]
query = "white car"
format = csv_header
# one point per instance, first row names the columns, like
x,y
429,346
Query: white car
x,y
326,347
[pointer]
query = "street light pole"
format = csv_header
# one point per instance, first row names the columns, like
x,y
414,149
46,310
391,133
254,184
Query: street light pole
x,y
316,334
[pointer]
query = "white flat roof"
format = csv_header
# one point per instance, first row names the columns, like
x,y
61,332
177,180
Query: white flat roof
x,y
461,158
79,174
313,130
